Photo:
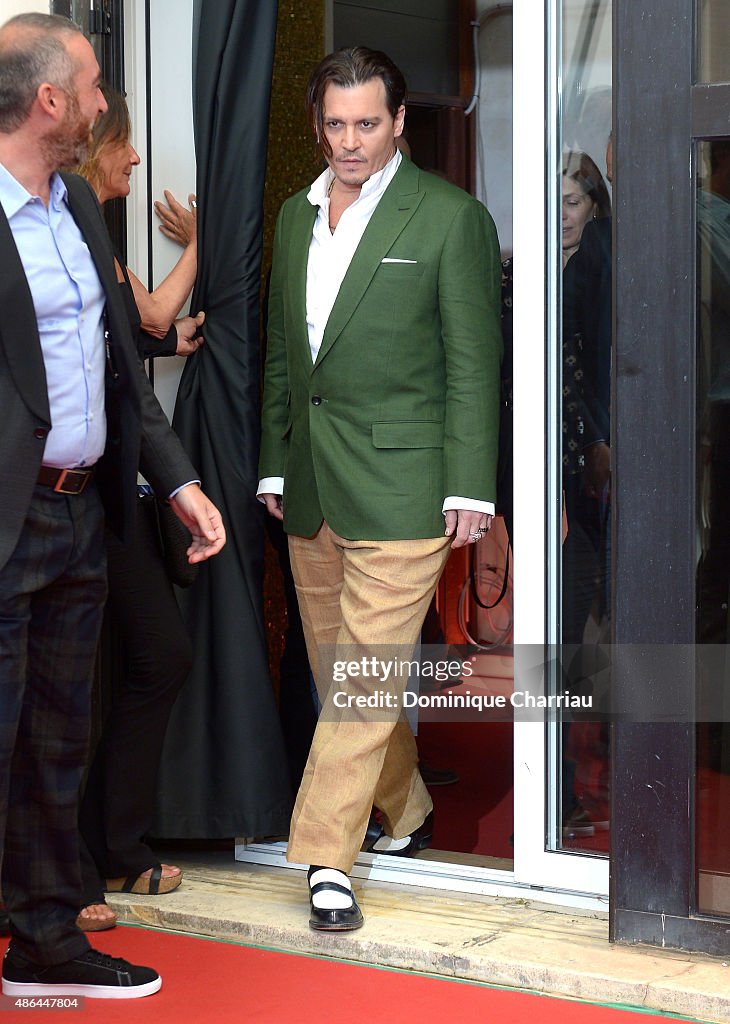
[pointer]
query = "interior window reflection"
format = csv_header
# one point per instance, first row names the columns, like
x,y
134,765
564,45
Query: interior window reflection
x,y
713,407
713,511
586,239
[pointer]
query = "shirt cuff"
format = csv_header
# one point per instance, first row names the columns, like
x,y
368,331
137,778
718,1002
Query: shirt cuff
x,y
468,505
270,485
181,487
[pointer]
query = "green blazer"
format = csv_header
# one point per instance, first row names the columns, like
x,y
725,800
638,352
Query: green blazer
x,y
401,408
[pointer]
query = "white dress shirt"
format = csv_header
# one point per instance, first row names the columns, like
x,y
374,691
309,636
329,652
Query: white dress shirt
x,y
330,255
69,303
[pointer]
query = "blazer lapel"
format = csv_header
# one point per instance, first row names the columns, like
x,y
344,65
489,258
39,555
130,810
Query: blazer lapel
x,y
298,242
19,329
395,209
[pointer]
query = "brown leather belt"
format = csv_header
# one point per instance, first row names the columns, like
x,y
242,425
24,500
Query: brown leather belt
x,y
65,481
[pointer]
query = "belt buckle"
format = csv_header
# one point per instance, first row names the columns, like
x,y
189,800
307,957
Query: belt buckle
x,y
71,481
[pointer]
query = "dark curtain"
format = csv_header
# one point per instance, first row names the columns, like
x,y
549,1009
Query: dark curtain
x,y
224,770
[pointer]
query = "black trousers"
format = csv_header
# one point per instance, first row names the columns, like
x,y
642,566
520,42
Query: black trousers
x,y
52,593
119,799
586,565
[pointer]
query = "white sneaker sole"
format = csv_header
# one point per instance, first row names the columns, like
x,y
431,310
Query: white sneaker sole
x,y
33,988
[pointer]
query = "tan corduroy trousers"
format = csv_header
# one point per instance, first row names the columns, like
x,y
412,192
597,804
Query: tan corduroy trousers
x,y
359,600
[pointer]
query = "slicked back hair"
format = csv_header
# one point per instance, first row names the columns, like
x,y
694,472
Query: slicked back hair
x,y
347,69
33,53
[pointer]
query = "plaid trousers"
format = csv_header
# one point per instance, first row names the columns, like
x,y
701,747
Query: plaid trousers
x,y
52,592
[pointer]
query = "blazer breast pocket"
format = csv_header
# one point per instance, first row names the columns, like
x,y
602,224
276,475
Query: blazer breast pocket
x,y
395,269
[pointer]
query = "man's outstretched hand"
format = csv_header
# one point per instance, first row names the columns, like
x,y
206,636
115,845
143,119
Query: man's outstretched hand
x,y
202,518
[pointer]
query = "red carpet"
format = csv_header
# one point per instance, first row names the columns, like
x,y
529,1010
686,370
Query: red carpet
x,y
223,983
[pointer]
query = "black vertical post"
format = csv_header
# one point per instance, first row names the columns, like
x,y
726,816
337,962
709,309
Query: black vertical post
x,y
651,892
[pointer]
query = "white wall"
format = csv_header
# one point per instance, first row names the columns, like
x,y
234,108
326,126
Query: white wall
x,y
9,8
172,151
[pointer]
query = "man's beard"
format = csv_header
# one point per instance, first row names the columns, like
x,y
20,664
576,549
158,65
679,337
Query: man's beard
x,y
67,145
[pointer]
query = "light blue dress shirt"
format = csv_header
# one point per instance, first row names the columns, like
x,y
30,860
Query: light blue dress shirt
x,y
69,305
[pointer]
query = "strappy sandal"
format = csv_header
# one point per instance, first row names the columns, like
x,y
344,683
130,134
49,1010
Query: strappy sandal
x,y
155,885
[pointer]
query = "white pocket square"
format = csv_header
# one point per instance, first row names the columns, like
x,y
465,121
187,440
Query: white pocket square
x,y
389,260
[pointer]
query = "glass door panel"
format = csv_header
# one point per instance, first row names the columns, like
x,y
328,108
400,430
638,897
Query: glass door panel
x,y
713,522
561,767
584,175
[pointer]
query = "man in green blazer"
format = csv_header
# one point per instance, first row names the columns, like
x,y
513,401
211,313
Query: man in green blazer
x,y
379,443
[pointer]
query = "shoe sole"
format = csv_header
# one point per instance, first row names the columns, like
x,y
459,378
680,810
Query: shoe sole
x,y
317,927
101,926
24,988
86,924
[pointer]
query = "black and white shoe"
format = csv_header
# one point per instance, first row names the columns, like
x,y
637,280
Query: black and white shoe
x,y
93,974
333,907
420,839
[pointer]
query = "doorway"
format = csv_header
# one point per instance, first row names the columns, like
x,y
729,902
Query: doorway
x,y
508,834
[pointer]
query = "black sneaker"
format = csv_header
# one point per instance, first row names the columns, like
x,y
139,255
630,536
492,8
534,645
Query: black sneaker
x,y
93,974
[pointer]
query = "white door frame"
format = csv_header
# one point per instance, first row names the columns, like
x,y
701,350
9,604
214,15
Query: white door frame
x,y
537,497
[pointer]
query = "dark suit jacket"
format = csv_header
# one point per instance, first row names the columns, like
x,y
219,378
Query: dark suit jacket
x,y
587,326
138,434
